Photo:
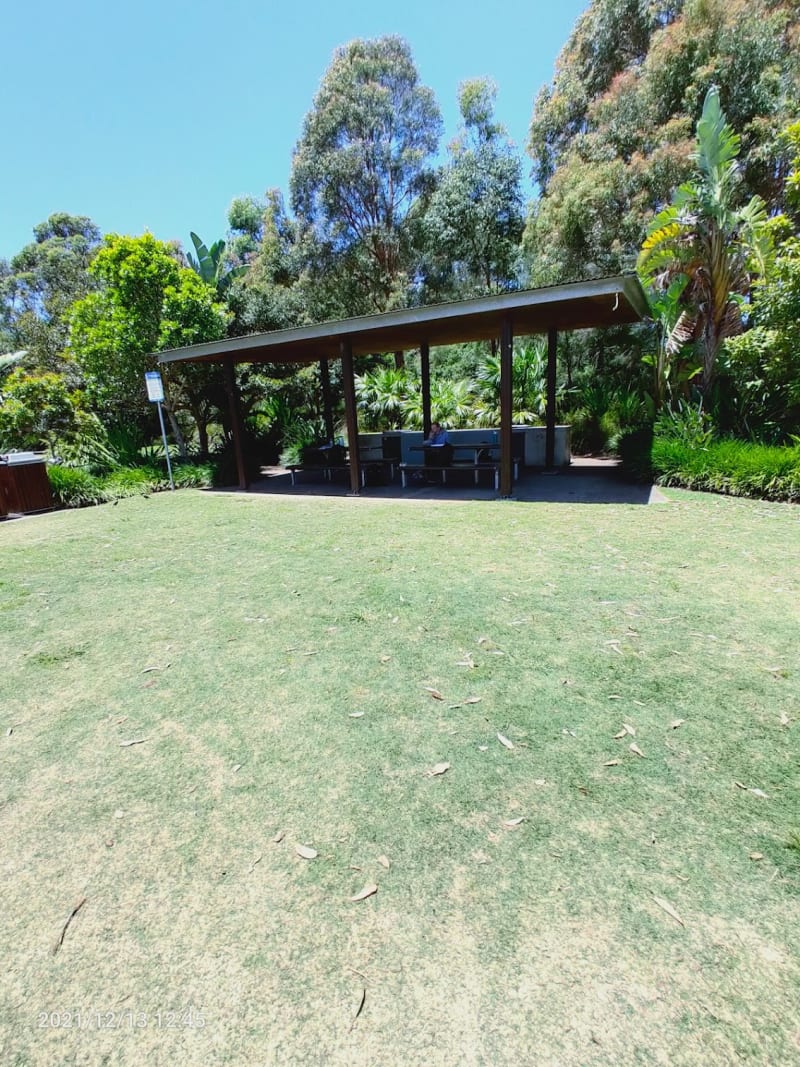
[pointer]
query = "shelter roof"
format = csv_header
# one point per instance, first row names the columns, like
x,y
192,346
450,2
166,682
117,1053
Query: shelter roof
x,y
601,302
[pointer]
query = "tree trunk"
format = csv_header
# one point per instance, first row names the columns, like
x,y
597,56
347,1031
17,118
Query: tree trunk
x,y
173,422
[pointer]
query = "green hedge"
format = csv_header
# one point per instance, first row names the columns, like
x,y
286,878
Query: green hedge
x,y
76,488
737,468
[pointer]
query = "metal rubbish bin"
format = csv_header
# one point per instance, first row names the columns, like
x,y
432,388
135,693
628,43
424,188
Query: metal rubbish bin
x,y
24,485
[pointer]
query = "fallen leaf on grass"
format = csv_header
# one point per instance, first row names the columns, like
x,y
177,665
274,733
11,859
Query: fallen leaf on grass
x,y
748,789
360,1007
612,763
668,908
368,891
70,917
676,723
473,700
9,731
133,741
119,814
540,781
614,696
279,837
504,741
634,748
467,661
236,767
620,735
434,692
147,670
756,856
440,768
305,852
483,748
384,862
629,729
784,719
385,659
356,714
514,822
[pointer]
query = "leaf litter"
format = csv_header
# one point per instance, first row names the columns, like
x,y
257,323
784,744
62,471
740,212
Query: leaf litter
x,y
368,891
668,908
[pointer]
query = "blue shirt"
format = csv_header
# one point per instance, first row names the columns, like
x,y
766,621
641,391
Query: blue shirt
x,y
438,438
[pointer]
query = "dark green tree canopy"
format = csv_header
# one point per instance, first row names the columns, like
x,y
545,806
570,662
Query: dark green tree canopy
x,y
40,284
474,221
611,136
361,163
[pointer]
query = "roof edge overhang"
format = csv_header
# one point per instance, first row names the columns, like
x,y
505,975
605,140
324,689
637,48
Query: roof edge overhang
x,y
621,299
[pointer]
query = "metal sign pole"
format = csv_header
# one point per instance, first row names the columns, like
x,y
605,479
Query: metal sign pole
x,y
155,394
166,446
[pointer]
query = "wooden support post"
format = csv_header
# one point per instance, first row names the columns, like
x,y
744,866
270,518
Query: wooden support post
x,y
237,429
506,405
327,403
550,414
351,415
425,380
399,360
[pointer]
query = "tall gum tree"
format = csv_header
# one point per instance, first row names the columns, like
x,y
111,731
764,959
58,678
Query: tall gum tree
x,y
611,135
39,286
474,221
362,162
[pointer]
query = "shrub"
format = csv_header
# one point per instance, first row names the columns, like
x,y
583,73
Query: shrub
x,y
195,475
131,481
737,468
75,488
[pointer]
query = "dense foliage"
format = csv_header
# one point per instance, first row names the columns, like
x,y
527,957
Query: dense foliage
x,y
611,136
666,137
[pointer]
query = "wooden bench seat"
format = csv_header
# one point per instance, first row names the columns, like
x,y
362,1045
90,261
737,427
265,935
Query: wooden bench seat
x,y
455,467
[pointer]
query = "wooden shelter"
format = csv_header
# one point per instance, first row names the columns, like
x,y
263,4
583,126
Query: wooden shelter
x,y
599,303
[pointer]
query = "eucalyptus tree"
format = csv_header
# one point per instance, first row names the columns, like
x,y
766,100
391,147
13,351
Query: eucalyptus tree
x,y
359,168
474,222
705,238
40,284
611,135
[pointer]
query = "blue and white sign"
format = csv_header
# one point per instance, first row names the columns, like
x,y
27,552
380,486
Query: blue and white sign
x,y
155,387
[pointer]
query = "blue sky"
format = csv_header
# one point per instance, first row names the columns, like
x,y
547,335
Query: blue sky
x,y
155,115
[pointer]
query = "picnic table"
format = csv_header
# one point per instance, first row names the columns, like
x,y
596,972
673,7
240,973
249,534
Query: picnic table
x,y
477,452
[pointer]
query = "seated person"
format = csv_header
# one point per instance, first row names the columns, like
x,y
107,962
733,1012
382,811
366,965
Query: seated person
x,y
437,448
437,437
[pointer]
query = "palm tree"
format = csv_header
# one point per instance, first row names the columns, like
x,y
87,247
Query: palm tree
x,y
528,385
703,236
382,394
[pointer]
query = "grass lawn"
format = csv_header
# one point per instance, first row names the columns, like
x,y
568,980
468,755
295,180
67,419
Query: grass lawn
x,y
276,659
